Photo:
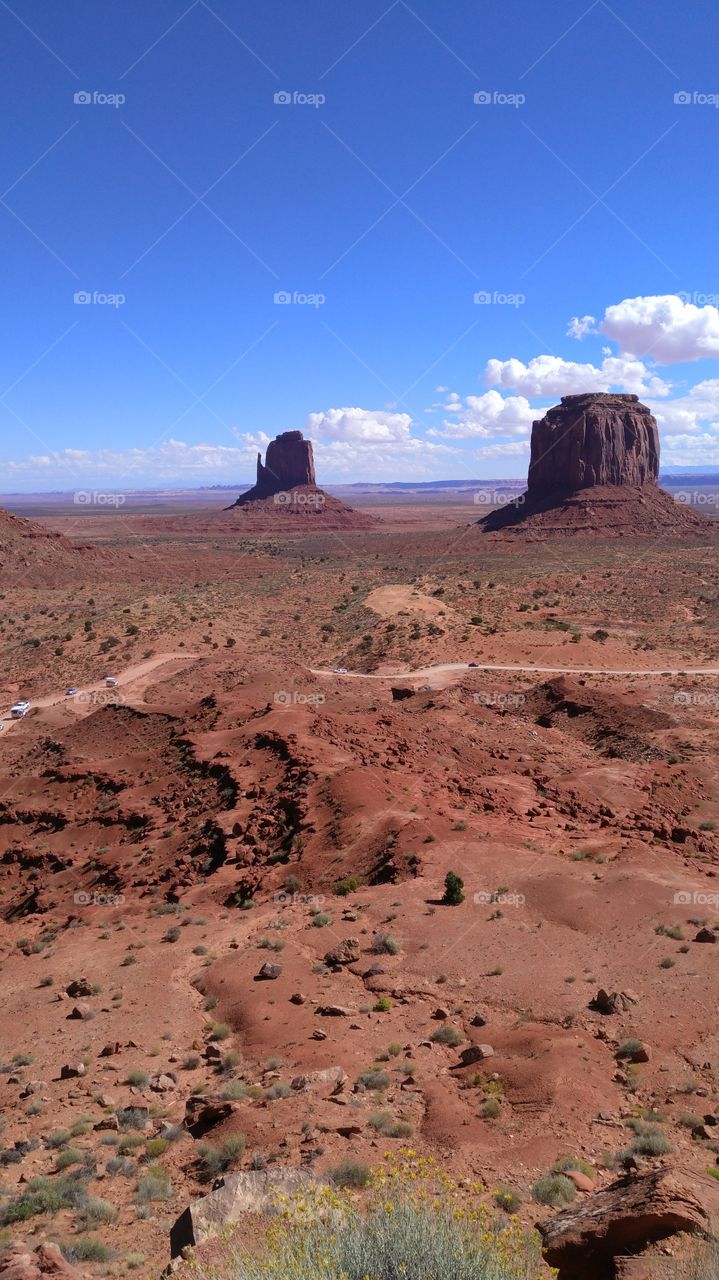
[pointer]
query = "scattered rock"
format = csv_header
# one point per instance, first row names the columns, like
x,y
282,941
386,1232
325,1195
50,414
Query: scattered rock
x,y
475,1053
21,1262
613,1002
72,1070
347,952
80,989
81,1012
624,1218
201,1115
109,1050
706,935
239,1194
331,1080
269,972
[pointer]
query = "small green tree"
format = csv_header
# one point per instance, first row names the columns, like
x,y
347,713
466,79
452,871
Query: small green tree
x,y
453,886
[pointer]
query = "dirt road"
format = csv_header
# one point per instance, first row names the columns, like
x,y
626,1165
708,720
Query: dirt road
x,y
82,702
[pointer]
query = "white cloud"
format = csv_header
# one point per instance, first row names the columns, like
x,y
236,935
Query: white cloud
x,y
508,449
664,326
370,426
552,376
580,328
488,415
696,411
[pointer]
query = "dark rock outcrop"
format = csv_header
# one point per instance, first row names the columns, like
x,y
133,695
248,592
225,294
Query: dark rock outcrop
x,y
624,1218
289,461
594,439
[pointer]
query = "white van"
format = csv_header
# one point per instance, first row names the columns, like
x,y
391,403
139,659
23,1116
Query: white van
x,y
19,710
110,682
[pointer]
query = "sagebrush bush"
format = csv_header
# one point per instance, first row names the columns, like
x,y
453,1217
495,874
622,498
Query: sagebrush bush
x,y
214,1160
350,1173
554,1189
416,1223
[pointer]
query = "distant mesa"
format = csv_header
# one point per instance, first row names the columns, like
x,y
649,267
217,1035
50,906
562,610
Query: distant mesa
x,y
286,488
593,469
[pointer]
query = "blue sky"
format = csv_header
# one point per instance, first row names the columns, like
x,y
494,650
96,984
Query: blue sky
x,y
181,198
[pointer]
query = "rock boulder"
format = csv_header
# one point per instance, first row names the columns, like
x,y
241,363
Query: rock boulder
x,y
624,1218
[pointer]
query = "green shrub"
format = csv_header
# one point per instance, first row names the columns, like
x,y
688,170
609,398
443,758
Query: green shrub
x,y
348,884
385,944
86,1249
508,1199
447,1034
397,1232
374,1079
453,886
214,1160
350,1173
490,1109
384,1123
554,1189
42,1196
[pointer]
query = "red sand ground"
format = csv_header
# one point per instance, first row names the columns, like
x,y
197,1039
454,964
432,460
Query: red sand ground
x,y
226,792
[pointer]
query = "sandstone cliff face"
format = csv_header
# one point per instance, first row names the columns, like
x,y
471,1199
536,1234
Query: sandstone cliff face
x,y
593,439
289,461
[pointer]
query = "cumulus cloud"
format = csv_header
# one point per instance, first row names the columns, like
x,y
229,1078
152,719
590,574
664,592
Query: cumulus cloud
x,y
580,328
487,415
553,376
665,326
370,426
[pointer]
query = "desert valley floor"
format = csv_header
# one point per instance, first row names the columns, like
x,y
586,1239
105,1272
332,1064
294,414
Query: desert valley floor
x,y
234,803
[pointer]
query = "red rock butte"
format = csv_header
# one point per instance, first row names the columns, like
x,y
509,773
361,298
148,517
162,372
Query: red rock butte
x,y
289,462
286,488
593,469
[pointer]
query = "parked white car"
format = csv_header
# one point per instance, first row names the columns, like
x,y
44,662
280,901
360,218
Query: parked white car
x,y
19,710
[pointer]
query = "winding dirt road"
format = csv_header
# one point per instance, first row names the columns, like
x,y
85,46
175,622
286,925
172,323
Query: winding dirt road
x,y
444,667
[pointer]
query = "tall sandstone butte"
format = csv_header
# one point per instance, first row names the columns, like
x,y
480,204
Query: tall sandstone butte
x,y
593,439
289,462
593,470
